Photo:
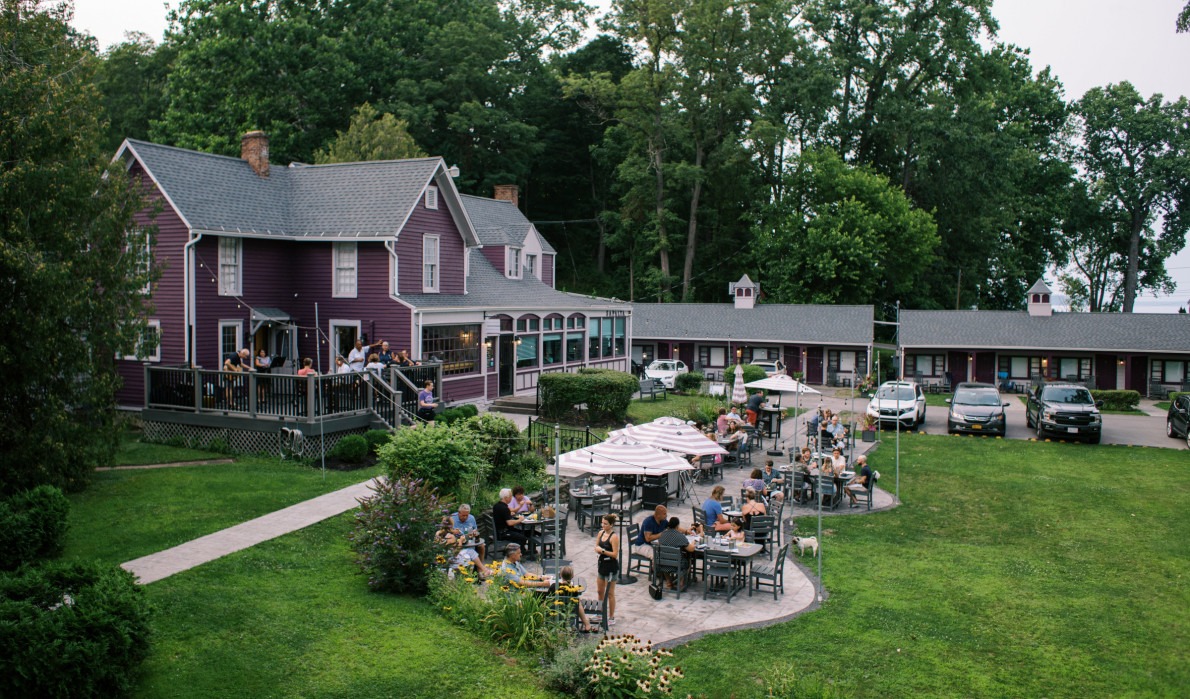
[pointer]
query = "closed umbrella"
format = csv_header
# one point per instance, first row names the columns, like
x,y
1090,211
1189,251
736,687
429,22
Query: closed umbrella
x,y
739,394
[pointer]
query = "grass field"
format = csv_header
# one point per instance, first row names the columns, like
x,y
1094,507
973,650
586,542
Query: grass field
x,y
133,452
1012,569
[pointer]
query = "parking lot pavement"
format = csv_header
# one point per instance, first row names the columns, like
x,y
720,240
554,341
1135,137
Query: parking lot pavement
x,y
1138,430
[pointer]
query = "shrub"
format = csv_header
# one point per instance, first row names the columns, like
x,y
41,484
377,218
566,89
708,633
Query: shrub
x,y
751,373
688,382
564,672
501,440
704,412
71,630
623,666
1117,400
393,539
351,449
376,438
606,394
527,469
33,526
456,598
446,457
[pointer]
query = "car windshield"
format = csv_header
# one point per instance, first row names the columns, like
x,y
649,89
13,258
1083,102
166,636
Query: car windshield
x,y
976,397
1068,395
895,393
663,366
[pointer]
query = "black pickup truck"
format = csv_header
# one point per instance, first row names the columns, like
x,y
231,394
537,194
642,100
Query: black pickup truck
x,y
1064,410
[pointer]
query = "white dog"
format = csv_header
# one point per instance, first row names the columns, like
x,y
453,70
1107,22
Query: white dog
x,y
806,542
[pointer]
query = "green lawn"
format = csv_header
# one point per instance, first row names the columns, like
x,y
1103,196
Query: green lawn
x,y
127,514
1163,406
1012,569
133,452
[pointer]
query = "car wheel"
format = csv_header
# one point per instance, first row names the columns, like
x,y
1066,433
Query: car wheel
x,y
1028,420
1040,431
1095,439
1169,431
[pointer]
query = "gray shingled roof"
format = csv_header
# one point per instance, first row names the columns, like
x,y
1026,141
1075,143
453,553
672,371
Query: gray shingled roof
x,y
488,288
503,223
346,200
1039,287
792,324
1100,332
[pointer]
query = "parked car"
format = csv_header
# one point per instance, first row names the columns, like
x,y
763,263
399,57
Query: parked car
x,y
665,371
771,367
1177,421
898,402
976,408
1064,410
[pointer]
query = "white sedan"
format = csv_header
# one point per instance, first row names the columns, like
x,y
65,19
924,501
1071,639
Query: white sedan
x,y
665,371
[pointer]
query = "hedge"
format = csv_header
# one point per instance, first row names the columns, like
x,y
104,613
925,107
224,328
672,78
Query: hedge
x,y
690,381
71,630
605,392
1117,400
33,526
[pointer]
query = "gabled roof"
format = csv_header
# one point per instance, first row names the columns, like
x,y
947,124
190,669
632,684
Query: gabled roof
x,y
490,289
1039,287
502,224
778,323
1099,332
221,194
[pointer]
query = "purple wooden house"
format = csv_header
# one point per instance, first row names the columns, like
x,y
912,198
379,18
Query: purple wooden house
x,y
301,261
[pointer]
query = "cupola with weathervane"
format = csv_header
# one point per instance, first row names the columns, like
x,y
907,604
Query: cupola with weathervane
x,y
744,292
1039,299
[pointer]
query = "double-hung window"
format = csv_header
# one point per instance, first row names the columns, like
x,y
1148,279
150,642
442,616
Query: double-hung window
x,y
429,264
514,263
148,345
230,272
531,265
346,257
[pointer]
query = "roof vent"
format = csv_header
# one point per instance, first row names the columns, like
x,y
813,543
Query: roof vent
x,y
254,147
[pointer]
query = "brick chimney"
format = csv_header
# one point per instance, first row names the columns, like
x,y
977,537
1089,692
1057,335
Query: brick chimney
x,y
254,147
507,192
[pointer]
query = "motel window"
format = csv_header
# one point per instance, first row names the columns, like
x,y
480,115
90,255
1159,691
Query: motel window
x,y
230,256
933,365
605,338
345,255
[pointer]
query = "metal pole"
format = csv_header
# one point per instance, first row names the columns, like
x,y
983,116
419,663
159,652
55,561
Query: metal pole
x,y
557,496
818,493
901,361
318,393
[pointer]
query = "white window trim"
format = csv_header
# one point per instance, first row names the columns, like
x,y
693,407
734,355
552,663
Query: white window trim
x,y
431,197
224,290
437,264
536,270
339,323
512,263
144,255
336,250
394,273
156,354
239,343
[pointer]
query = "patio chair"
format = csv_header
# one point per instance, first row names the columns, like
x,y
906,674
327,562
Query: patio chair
x,y
596,611
600,506
707,468
771,575
636,559
548,539
700,515
548,567
798,490
718,568
864,492
762,531
668,560
487,531
1157,391
827,493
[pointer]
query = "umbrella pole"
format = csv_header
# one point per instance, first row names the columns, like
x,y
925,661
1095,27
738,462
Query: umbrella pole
x,y
557,505
625,578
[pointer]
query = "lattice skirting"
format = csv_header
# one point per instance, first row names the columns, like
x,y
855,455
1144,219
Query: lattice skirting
x,y
222,439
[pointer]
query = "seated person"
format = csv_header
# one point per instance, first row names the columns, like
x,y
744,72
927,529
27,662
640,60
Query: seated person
x,y
736,533
463,558
838,433
860,481
520,505
514,571
341,365
752,507
714,510
673,536
464,524
565,587
734,439
386,355
696,531
507,524
307,368
838,462
825,438
651,527
755,481
772,478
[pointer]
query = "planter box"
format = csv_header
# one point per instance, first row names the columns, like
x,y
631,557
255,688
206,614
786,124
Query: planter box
x,y
868,435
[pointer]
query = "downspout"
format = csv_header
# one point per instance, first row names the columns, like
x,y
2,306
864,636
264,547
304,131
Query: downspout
x,y
188,297
391,246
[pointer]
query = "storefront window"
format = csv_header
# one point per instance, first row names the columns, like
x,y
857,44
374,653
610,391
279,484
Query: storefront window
x,y
526,352
574,347
456,346
551,348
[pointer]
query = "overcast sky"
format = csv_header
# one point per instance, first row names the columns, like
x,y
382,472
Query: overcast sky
x,y
1086,43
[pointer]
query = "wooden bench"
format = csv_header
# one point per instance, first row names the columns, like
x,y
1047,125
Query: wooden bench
x,y
651,388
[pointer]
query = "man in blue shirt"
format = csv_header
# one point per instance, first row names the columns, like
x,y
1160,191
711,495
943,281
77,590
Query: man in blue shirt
x,y
464,523
651,527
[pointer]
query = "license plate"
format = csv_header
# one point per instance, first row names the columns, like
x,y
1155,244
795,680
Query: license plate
x,y
1072,430
977,427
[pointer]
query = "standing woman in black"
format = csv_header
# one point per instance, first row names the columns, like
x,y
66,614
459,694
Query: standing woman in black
x,y
607,545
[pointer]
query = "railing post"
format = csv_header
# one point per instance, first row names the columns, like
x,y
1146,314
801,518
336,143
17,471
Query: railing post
x,y
196,380
252,393
148,378
311,398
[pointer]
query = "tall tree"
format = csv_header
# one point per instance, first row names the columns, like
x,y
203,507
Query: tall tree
x,y
131,78
1135,153
842,234
72,275
1183,22
371,136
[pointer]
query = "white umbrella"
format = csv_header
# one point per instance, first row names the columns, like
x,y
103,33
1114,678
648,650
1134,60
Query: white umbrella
x,y
786,384
738,393
620,455
671,434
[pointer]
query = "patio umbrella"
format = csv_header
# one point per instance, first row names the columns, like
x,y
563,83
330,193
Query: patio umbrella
x,y
786,384
739,394
621,455
671,434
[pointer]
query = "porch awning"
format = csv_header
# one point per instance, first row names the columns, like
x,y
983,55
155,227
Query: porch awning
x,y
260,316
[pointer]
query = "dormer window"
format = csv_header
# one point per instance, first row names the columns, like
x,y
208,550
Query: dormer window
x,y
513,266
531,265
431,197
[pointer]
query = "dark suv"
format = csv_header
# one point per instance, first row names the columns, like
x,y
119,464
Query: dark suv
x,y
1177,422
1064,410
976,408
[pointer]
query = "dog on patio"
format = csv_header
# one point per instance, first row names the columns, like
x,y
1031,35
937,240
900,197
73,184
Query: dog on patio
x,y
806,542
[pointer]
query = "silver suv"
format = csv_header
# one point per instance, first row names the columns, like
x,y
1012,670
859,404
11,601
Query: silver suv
x,y
898,402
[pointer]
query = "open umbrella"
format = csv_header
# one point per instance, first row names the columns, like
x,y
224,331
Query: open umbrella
x,y
785,384
739,394
620,455
671,434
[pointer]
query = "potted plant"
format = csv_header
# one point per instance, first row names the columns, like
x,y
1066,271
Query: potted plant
x,y
868,432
